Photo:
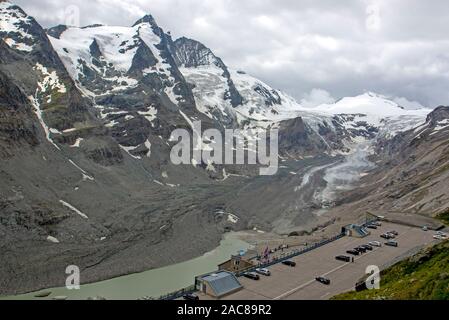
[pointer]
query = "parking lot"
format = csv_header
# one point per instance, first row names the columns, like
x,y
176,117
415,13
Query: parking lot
x,y
299,282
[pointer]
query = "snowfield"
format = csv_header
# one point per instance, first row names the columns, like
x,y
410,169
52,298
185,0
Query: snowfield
x,y
377,111
12,21
262,107
73,47
210,89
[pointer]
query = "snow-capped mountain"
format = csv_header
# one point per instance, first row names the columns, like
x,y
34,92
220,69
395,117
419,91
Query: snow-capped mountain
x,y
223,93
376,111
437,123
138,76
183,80
128,88
86,116
131,78
367,116
16,27
30,61
411,171
132,86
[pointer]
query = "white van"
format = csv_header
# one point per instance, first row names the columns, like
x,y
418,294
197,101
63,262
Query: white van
x,y
375,244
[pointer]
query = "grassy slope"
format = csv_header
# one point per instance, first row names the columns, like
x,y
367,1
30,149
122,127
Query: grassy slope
x,y
424,276
444,216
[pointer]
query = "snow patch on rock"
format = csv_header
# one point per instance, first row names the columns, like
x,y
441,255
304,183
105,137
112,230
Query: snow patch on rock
x,y
52,239
68,205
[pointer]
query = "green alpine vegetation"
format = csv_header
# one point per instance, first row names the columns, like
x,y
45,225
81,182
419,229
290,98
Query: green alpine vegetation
x,y
424,276
444,216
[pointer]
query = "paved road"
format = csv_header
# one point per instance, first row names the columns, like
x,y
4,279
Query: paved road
x,y
299,282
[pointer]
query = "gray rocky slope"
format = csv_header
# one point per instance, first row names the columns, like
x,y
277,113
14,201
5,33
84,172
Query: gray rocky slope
x,y
85,121
409,178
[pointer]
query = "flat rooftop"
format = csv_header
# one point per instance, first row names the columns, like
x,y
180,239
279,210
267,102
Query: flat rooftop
x,y
222,282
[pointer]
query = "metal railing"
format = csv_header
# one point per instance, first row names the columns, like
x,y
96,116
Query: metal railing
x,y
178,294
295,253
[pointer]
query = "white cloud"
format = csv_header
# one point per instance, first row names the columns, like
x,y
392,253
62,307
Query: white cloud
x,y
400,47
266,22
317,97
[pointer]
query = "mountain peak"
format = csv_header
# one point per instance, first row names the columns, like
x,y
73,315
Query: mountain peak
x,y
9,6
366,103
438,114
191,53
5,4
374,95
148,18
56,31
17,29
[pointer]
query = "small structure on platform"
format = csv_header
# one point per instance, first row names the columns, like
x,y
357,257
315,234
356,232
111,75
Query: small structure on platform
x,y
370,217
355,230
218,284
236,264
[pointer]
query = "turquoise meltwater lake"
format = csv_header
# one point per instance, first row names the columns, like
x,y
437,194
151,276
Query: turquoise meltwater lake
x,y
152,283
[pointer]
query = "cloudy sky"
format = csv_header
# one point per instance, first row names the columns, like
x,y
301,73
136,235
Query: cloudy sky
x,y
315,50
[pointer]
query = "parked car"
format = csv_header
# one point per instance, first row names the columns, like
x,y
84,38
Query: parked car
x,y
371,226
439,237
190,296
425,228
289,263
391,235
263,271
377,223
375,244
367,247
323,280
360,249
343,258
385,236
394,232
251,275
353,252
391,243
441,233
